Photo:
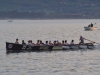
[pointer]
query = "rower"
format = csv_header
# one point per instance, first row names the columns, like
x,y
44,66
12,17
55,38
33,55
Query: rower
x,y
46,43
55,43
23,42
41,43
32,43
72,43
38,42
29,43
50,43
66,42
16,41
63,42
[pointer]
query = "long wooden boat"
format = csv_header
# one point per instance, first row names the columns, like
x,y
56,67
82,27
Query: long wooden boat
x,y
12,47
22,47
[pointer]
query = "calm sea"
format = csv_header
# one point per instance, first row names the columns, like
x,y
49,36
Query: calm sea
x,y
81,62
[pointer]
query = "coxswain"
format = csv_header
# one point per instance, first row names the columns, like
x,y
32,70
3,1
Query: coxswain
x,y
81,40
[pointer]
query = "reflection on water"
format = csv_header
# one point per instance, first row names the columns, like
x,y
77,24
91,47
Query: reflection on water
x,y
79,62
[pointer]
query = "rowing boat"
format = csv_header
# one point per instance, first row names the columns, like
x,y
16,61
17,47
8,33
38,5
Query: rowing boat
x,y
12,47
22,47
81,46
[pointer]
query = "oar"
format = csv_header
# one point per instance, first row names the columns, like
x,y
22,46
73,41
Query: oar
x,y
91,41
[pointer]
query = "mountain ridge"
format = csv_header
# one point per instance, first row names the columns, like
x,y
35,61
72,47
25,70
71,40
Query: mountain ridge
x,y
55,6
50,9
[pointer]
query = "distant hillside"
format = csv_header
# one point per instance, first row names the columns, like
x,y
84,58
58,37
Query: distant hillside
x,y
55,6
69,7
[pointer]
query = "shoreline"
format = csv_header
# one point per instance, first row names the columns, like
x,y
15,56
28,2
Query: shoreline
x,y
53,19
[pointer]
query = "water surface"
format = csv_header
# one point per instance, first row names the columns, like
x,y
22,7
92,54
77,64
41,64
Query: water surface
x,y
80,62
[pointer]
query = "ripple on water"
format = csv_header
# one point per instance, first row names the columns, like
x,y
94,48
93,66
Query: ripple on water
x,y
82,62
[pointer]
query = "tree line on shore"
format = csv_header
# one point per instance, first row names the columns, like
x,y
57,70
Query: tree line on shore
x,y
42,15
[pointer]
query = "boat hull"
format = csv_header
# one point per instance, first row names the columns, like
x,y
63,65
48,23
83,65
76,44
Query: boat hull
x,y
19,47
12,47
90,28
